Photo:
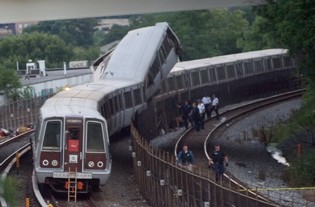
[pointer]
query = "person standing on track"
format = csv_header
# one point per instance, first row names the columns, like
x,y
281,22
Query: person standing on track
x,y
201,108
194,114
214,106
217,160
206,100
185,111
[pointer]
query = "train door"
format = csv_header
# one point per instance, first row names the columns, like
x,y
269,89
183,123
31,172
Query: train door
x,y
73,145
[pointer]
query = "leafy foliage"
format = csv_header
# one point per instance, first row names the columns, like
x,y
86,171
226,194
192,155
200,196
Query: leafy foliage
x,y
302,170
292,23
76,32
8,80
35,46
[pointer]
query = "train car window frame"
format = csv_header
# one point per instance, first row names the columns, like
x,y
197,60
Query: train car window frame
x,y
204,75
259,66
107,109
230,71
128,99
137,96
179,82
213,74
195,78
248,66
276,62
220,72
112,106
120,102
94,137
267,64
53,134
239,69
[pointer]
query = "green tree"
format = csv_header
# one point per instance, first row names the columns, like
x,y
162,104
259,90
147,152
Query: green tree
x,y
292,23
9,83
76,32
8,79
117,32
35,46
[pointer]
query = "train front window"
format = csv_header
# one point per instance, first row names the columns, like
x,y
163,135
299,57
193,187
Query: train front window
x,y
95,137
52,135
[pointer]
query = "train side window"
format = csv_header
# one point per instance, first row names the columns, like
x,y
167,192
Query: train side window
x,y
239,69
212,74
107,109
204,77
248,68
268,65
95,137
112,106
119,102
230,71
52,135
128,99
167,45
259,66
221,73
137,96
179,82
276,63
195,78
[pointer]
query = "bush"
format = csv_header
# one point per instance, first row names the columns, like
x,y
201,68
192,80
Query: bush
x,y
302,170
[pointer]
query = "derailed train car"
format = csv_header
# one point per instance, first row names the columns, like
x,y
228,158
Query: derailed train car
x,y
73,129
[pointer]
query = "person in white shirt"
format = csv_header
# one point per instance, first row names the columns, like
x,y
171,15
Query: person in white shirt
x,y
202,111
206,100
214,106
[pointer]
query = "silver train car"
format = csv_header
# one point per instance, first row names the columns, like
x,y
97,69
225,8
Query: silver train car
x,y
189,75
73,129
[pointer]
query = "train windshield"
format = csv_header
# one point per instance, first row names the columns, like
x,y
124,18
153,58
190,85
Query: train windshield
x,y
95,137
52,135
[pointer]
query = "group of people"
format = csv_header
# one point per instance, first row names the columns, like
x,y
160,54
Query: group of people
x,y
196,112
218,160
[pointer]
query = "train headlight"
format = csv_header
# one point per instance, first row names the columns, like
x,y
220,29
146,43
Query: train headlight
x,y
100,164
54,163
91,164
45,162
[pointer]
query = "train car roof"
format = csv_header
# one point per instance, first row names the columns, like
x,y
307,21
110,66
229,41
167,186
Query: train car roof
x,y
55,110
136,52
82,99
192,64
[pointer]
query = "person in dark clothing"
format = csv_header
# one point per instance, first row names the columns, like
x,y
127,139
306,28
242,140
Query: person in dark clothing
x,y
186,157
217,160
195,116
185,109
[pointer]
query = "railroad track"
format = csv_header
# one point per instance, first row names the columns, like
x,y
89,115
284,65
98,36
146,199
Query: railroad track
x,y
198,142
12,145
13,149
